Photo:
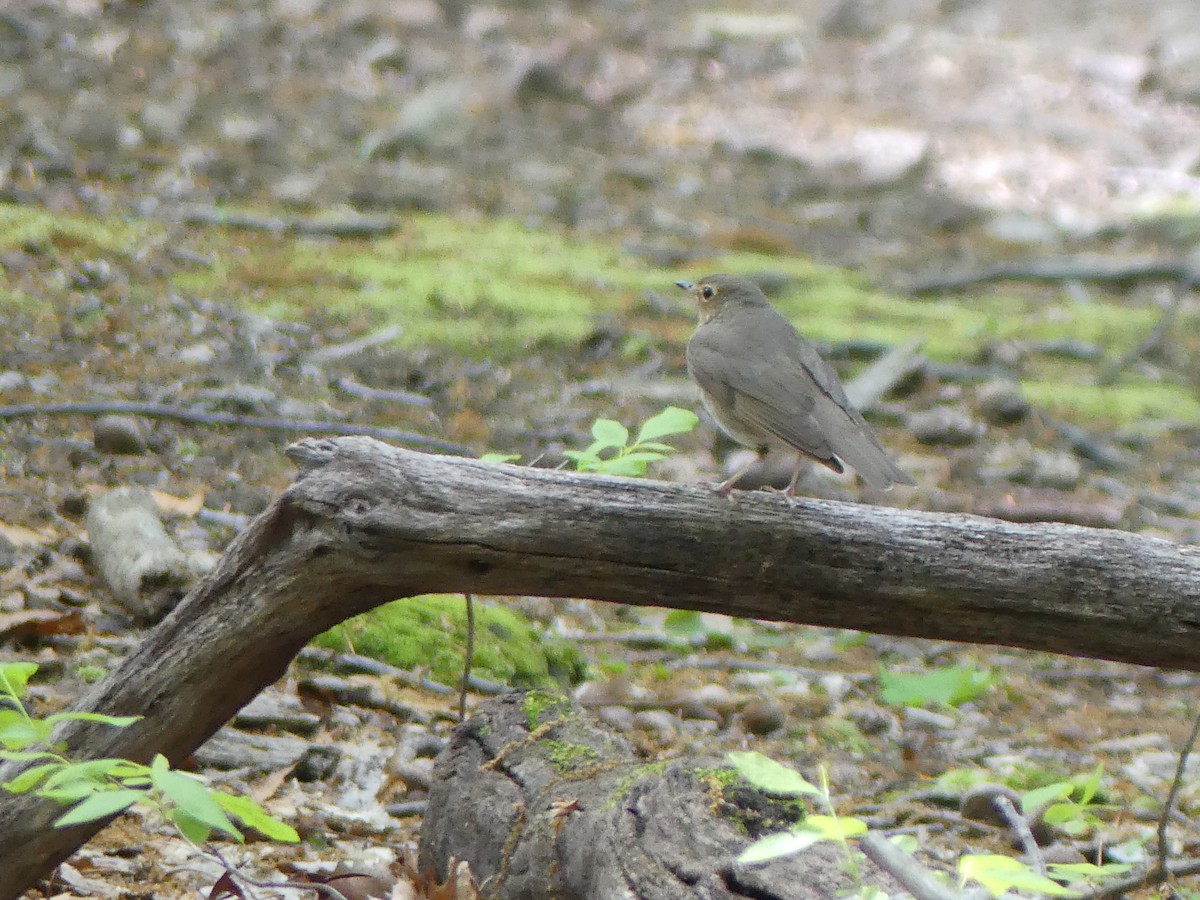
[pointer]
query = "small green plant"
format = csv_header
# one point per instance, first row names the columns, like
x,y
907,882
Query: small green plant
x,y
943,686
98,788
612,453
780,780
1069,805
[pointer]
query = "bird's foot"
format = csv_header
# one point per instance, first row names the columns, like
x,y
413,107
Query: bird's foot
x,y
724,489
788,494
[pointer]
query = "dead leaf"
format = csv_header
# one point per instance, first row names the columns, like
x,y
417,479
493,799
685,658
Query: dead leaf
x,y
39,623
179,506
225,887
20,536
266,787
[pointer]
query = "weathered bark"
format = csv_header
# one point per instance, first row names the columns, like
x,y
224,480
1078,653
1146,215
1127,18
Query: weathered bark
x,y
366,523
564,809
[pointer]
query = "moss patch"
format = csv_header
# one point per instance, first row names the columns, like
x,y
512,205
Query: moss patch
x,y
569,757
494,289
430,631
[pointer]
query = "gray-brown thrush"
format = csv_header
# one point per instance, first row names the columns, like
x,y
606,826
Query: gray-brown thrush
x,y
768,388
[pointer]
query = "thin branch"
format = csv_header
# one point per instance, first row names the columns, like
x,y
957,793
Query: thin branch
x,y
1080,268
912,875
1021,828
193,417
1144,878
1154,339
468,658
1169,803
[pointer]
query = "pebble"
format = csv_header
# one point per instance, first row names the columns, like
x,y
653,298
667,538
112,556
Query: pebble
x,y
944,426
762,716
118,436
1000,402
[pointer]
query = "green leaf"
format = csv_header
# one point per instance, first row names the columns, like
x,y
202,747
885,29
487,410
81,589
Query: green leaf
x,y
1089,785
642,456
115,721
91,771
906,842
777,845
945,686
254,816
671,420
499,457
192,797
99,806
769,776
831,828
190,827
30,778
14,676
1002,873
609,433
29,756
1060,790
1088,871
18,731
620,465
664,449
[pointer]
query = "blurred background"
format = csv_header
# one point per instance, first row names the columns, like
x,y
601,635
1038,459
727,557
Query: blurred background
x,y
464,221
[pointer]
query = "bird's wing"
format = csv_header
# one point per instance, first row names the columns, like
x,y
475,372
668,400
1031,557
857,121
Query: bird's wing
x,y
768,398
792,394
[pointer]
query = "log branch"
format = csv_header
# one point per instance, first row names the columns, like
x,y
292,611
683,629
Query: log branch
x,y
365,523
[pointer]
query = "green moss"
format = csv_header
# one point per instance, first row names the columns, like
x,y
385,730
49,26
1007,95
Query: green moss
x,y
430,631
29,227
536,702
623,785
723,775
480,288
569,757
1130,401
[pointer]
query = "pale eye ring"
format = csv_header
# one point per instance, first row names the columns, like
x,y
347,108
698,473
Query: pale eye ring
x,y
707,292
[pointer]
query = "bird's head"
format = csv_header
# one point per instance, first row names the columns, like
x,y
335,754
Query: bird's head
x,y
716,292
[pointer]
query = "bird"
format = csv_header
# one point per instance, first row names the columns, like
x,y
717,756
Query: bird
x,y
769,389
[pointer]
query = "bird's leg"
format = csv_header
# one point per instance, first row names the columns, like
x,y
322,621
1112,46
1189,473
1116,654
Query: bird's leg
x,y
726,486
789,493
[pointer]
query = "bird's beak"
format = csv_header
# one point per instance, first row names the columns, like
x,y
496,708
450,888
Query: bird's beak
x,y
686,285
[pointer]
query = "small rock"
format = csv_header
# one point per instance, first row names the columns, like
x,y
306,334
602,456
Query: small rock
x,y
196,355
1000,402
118,436
619,718
944,426
93,122
711,701
438,117
1054,469
165,119
763,716
871,719
836,686
12,381
243,398
660,723
1062,853
915,716
979,803
1021,230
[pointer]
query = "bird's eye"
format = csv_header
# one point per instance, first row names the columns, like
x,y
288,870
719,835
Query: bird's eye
x,y
707,292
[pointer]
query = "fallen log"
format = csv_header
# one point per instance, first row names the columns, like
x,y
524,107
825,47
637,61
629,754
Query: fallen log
x,y
542,802
365,523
